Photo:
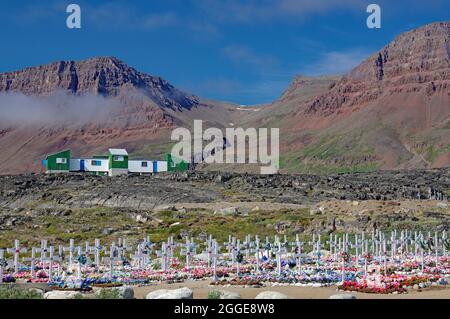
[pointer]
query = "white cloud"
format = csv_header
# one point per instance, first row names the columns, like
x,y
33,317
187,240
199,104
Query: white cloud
x,y
336,62
18,109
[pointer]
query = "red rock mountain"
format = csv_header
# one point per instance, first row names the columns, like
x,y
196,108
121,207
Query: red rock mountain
x,y
390,112
146,109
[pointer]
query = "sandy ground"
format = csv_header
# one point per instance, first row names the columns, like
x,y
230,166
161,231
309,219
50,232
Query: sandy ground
x,y
201,289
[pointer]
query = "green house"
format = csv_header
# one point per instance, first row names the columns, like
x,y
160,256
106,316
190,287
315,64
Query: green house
x,y
176,165
118,162
58,162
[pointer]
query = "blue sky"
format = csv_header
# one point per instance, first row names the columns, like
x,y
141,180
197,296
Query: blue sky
x,y
246,52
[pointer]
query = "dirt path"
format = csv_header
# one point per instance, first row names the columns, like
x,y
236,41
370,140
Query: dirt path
x,y
201,289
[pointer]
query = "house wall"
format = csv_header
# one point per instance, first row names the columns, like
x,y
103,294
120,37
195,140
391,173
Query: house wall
x,y
52,164
75,165
104,165
135,166
162,167
118,164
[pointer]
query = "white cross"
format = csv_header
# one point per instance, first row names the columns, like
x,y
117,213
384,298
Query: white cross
x,y
163,255
16,252
248,246
229,244
214,256
113,257
445,243
3,264
122,247
32,260
331,243
98,249
279,254
51,259
140,256
237,254
298,253
71,249
209,250
268,248
43,250
188,251
258,251
357,245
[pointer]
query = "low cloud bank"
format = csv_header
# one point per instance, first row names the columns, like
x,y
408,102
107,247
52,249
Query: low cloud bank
x,y
17,109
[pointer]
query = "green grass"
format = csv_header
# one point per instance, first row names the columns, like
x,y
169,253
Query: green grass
x,y
8,291
214,295
332,154
192,223
153,150
432,154
108,294
299,167
447,126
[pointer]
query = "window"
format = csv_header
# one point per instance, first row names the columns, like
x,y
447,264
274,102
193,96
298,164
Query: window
x,y
61,161
144,164
96,163
119,158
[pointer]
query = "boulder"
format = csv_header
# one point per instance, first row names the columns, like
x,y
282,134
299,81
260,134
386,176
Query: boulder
x,y
317,210
175,224
442,205
126,292
343,296
282,226
169,208
182,293
141,219
228,211
55,294
271,295
229,295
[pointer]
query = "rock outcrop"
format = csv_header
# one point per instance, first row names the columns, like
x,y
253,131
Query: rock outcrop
x,y
106,76
182,293
271,295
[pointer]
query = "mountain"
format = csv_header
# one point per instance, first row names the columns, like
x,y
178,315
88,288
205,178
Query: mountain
x,y
139,111
106,76
390,112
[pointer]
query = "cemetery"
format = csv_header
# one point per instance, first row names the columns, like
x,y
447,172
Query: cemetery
x,y
377,262
374,235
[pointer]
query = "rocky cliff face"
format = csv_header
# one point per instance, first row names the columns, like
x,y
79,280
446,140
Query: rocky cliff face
x,y
105,76
146,109
390,112
417,62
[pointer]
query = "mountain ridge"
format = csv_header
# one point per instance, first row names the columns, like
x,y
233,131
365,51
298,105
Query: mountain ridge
x,y
390,112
